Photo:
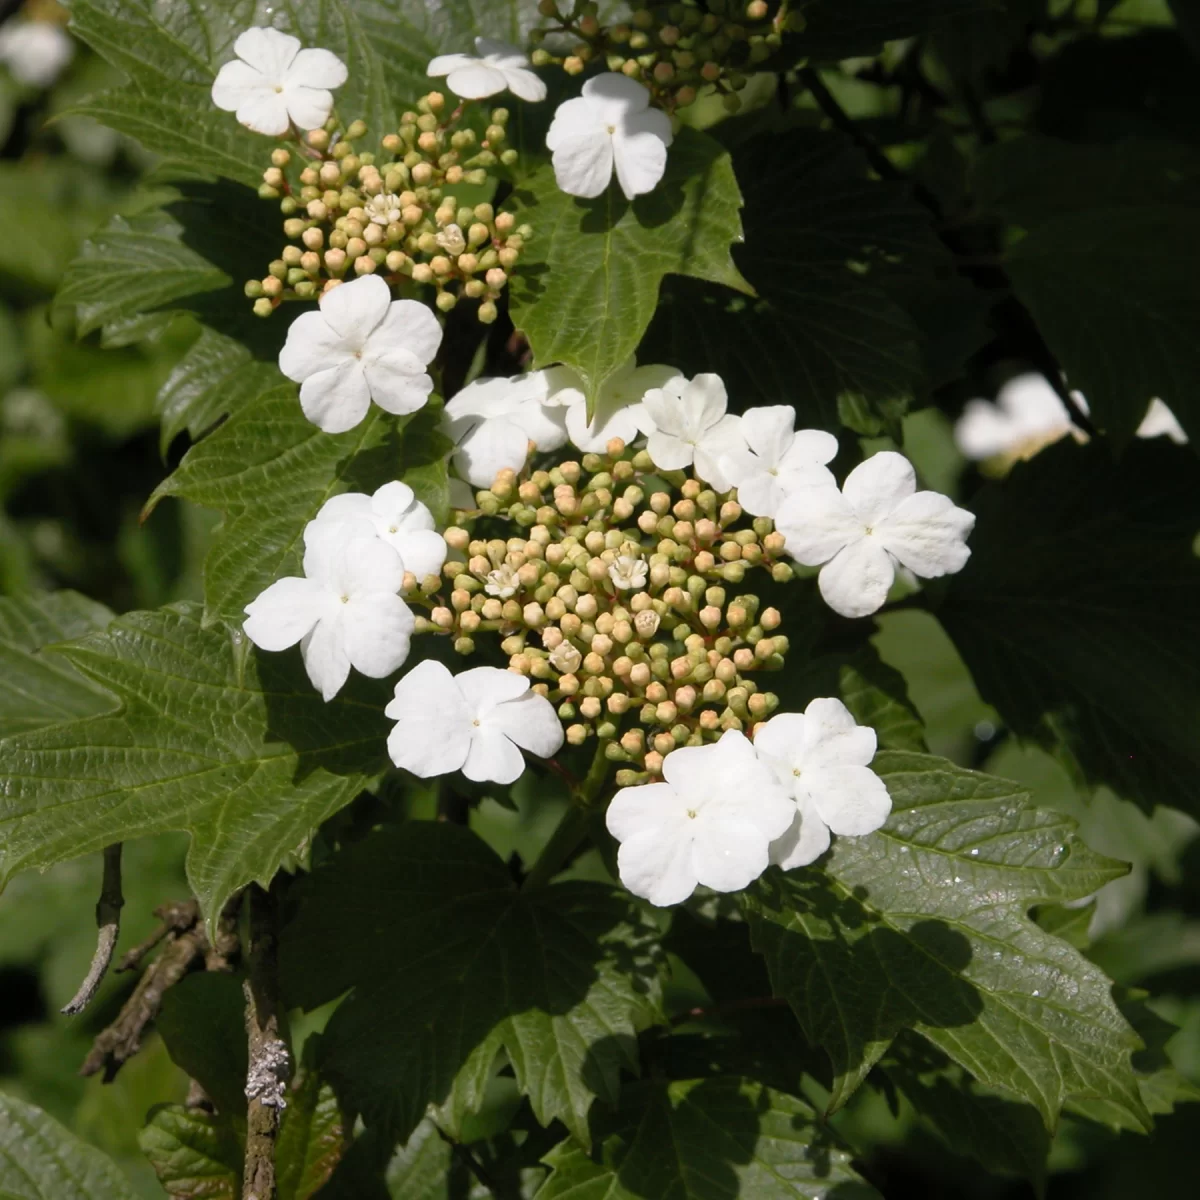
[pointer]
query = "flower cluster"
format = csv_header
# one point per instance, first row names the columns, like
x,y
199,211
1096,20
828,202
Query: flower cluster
x,y
350,214
678,50
725,811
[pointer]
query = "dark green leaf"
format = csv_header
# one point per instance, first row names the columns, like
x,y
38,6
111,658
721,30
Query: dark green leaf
x,y
209,737
823,242
1113,293
40,1160
313,1136
589,282
44,689
202,1022
840,28
706,1139
925,925
195,1154
559,978
1071,555
269,470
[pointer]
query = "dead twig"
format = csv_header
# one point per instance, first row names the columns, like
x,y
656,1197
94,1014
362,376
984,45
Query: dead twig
x,y
108,923
185,949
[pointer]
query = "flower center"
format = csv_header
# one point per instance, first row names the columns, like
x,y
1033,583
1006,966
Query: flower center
x,y
796,772
612,129
278,88
345,599
691,812
475,722
393,529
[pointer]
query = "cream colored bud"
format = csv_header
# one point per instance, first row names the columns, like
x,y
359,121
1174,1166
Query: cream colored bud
x,y
443,618
565,658
590,707
743,658
533,615
774,543
570,625
640,675
646,623
491,609
602,644
496,278
577,734
586,607
710,616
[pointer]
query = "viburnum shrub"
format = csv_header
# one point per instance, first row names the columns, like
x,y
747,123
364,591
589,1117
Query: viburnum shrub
x,y
564,473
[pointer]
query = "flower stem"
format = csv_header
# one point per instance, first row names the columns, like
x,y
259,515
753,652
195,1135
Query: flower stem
x,y
572,827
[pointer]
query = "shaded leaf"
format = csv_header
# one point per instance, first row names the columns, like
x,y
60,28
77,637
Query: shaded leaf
x,y
588,284
195,1154
312,1137
924,925
1069,555
40,1160
559,978
206,736
269,470
839,28
706,1139
824,241
44,689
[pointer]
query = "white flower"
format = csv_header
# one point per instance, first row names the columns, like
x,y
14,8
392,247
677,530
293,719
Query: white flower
x,y
877,520
361,346
565,658
344,612
710,823
35,52
494,420
477,721
383,209
1160,420
398,518
691,428
777,459
610,125
273,84
619,408
502,582
628,573
494,67
452,240
822,759
1027,417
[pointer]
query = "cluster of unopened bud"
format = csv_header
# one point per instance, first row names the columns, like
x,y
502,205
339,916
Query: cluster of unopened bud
x,y
349,214
677,50
619,602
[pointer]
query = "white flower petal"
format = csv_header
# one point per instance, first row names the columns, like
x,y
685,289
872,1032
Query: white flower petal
x,y
804,842
657,868
856,581
704,401
484,688
325,657
443,64
615,96
378,631
312,345
668,452
488,448
268,50
644,809
476,80
530,721
237,82
524,84
1160,420
492,758
397,382
832,738
664,404
816,523
422,551
769,432
349,506
877,486
280,616
730,856
639,156
778,742
316,68
405,324
432,734
397,502
354,309
369,565
337,399
759,494
814,446
927,533
593,438
583,165
264,112
573,119
713,444
852,801
308,107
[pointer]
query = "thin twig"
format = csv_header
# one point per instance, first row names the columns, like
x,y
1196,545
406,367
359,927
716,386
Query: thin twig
x,y
463,1153
176,917
108,923
185,949
748,1004
1021,325
270,1060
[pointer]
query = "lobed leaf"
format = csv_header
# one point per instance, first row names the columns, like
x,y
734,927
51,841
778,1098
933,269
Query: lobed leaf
x,y
202,734
588,284
450,964
925,925
706,1139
